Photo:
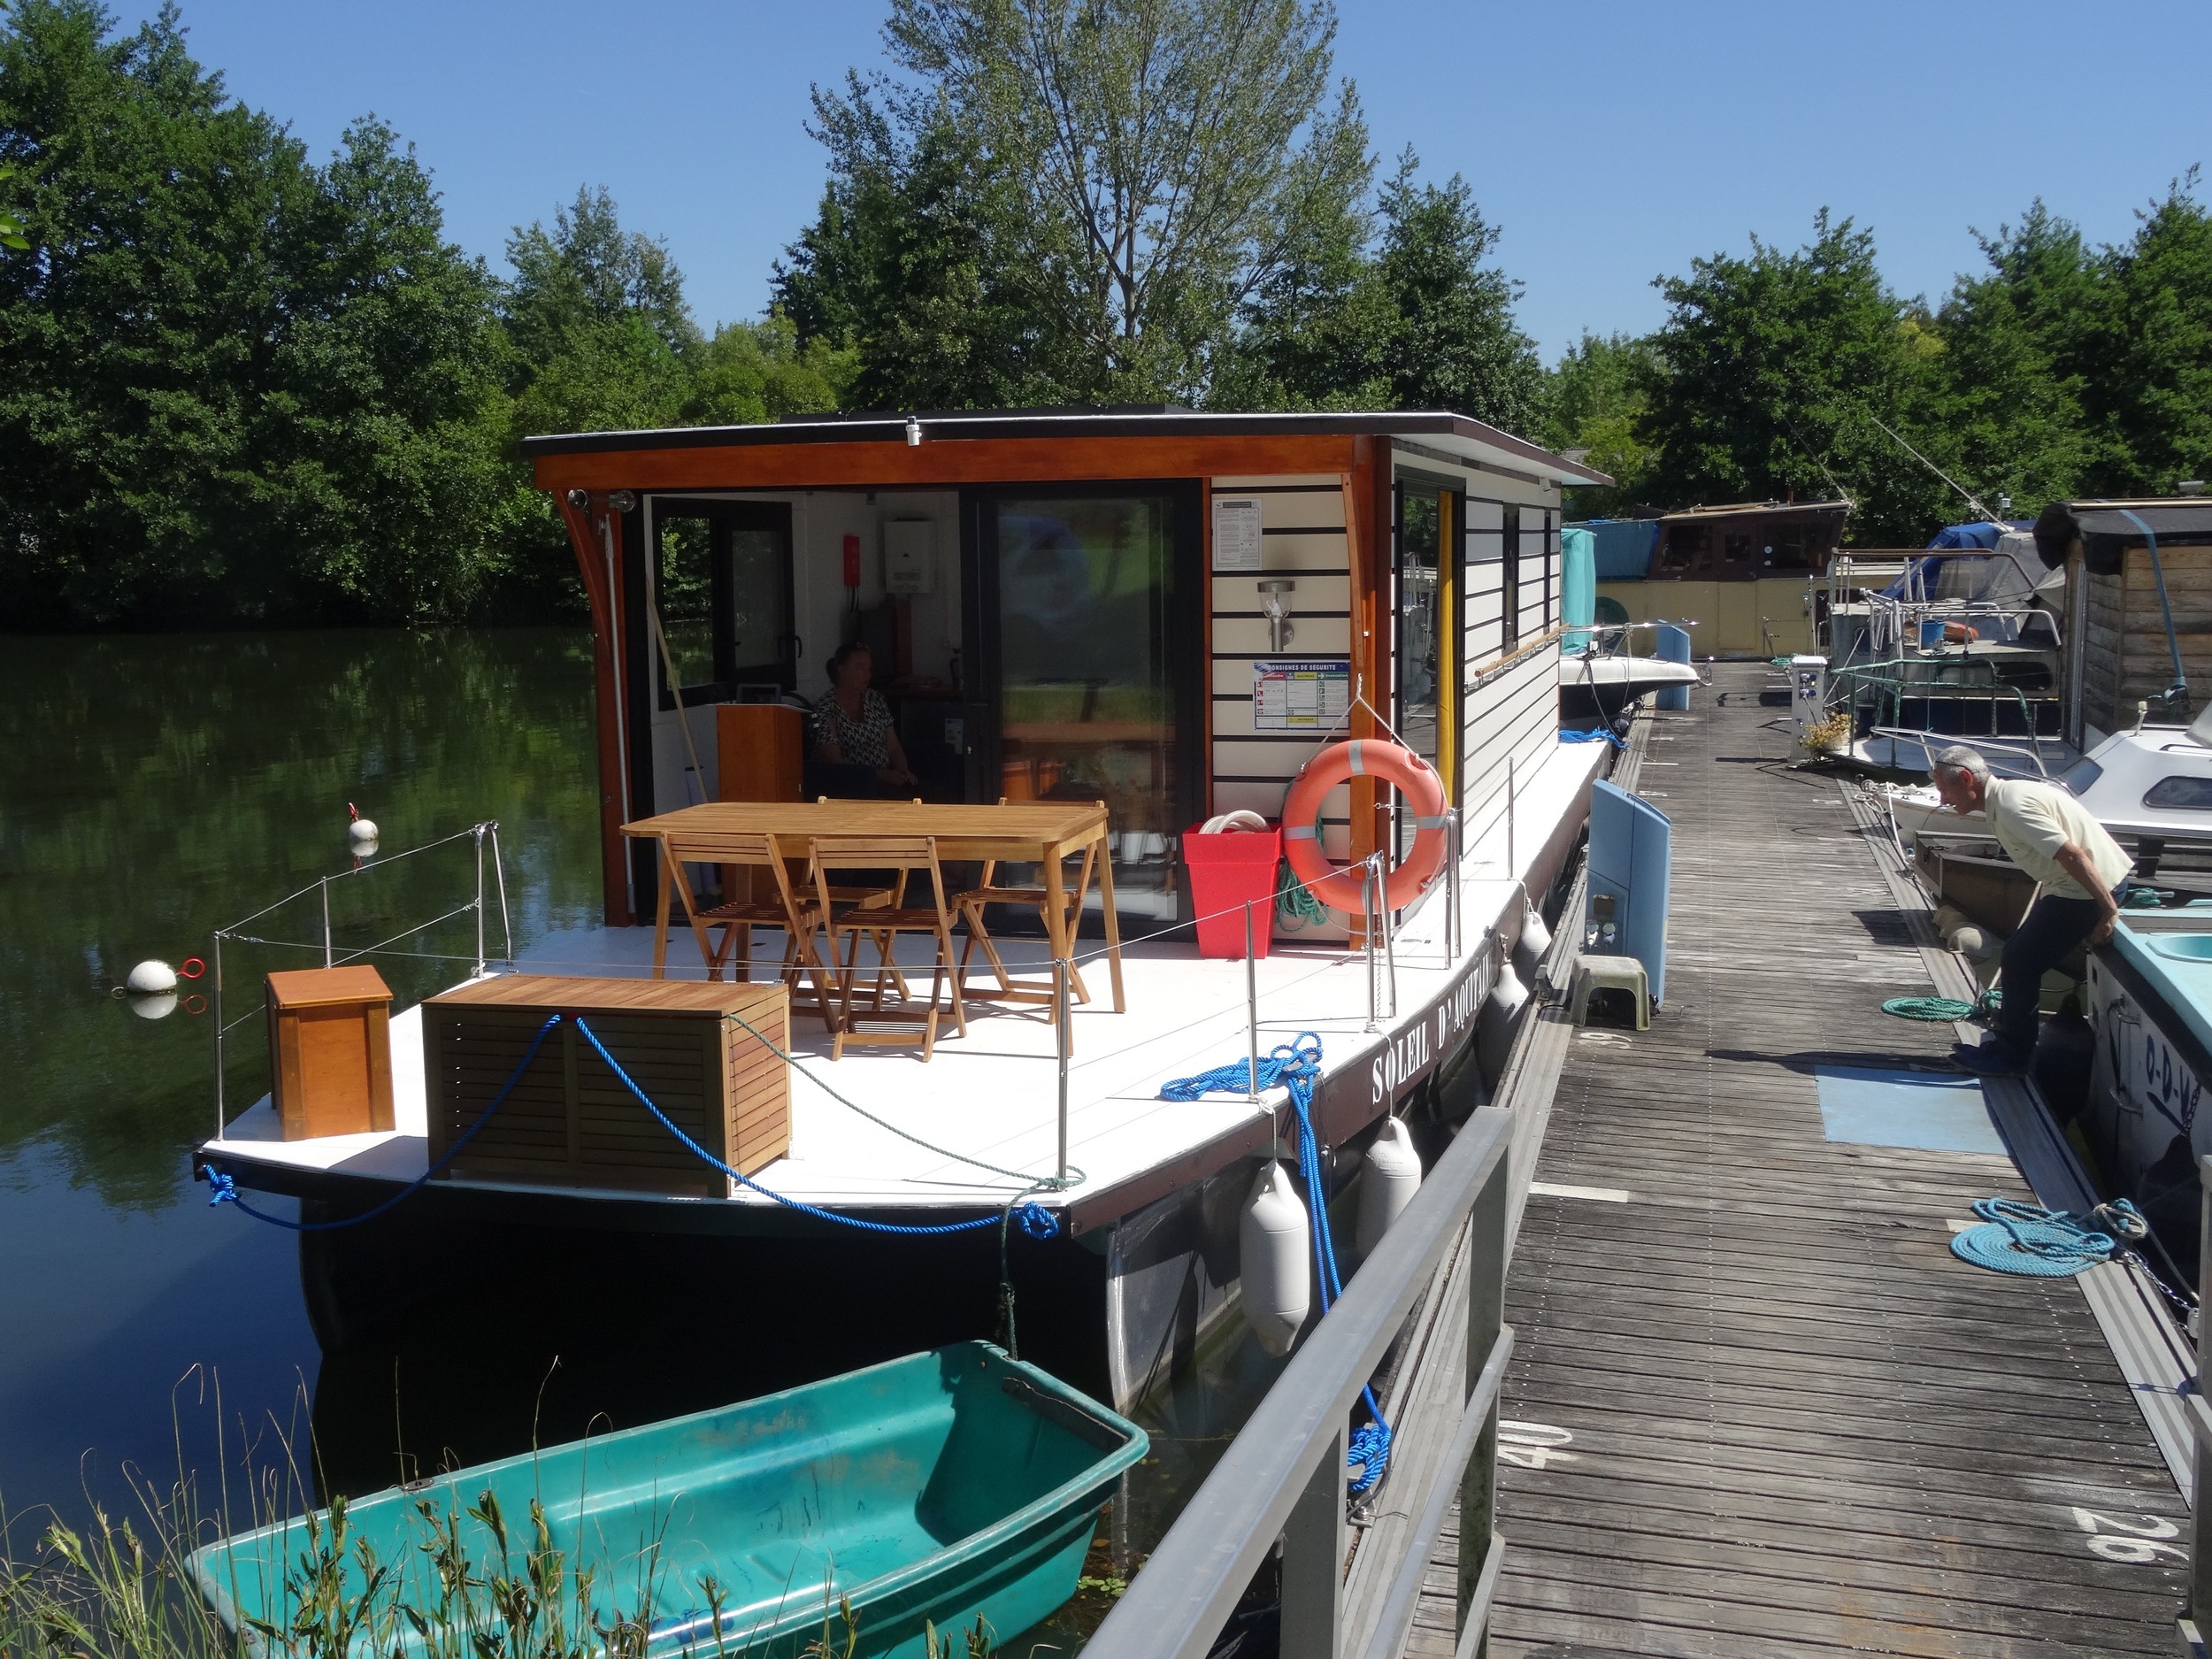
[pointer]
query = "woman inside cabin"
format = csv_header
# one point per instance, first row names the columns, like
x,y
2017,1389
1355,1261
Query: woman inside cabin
x,y
852,731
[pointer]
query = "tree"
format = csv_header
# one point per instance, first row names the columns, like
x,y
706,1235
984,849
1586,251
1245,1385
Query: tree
x,y
1777,376
755,371
2150,403
1111,180
1600,391
244,386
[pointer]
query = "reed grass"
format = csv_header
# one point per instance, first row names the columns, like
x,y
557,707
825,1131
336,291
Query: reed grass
x,y
123,1589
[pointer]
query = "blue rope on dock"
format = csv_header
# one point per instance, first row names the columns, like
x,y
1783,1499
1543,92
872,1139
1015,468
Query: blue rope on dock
x,y
1596,734
1296,1066
2039,1243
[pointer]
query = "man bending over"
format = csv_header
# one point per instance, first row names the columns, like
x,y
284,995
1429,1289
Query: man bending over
x,y
2081,876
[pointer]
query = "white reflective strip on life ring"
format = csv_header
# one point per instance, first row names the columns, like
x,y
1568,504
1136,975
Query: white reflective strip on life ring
x,y
1359,762
1301,832
1442,821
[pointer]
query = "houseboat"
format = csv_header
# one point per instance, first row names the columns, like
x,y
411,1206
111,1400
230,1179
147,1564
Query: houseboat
x,y
1745,572
1115,624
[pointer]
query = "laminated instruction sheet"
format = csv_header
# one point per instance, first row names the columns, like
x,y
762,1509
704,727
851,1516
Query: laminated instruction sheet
x,y
1299,694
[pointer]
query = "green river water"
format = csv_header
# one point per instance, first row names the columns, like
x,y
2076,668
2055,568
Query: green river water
x,y
153,788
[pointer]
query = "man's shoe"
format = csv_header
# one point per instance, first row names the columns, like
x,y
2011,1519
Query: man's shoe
x,y
1991,1059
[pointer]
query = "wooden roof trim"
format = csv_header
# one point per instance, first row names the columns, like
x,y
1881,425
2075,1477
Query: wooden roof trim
x,y
940,463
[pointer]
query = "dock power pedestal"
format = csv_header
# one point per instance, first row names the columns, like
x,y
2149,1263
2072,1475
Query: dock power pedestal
x,y
1809,694
1631,854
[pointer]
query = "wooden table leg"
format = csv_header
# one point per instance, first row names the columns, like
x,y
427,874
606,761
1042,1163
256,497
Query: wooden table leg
x,y
660,921
1113,921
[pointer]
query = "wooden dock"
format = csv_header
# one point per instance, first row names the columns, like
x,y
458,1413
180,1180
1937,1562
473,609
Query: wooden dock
x,y
1757,1407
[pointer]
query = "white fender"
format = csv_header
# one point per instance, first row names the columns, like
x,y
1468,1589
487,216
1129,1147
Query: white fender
x,y
152,976
1275,1260
1535,939
1493,1027
1389,1176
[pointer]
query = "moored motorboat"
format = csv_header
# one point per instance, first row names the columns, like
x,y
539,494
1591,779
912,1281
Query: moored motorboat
x,y
1592,683
946,1486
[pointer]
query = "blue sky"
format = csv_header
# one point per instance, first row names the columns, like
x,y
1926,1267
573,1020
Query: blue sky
x,y
1612,142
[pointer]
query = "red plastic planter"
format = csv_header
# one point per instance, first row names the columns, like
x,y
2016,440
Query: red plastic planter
x,y
1228,869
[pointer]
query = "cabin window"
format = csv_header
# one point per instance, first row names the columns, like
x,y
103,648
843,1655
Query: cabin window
x,y
723,590
2081,775
1683,549
2188,794
1736,551
1512,597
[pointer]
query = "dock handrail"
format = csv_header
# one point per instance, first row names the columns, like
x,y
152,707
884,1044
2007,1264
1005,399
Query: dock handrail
x,y
1284,1474
2197,1609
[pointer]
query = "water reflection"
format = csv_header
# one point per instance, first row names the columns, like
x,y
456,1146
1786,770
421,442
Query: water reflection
x,y
151,789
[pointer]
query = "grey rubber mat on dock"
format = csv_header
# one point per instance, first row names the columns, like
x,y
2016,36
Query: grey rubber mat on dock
x,y
1757,1407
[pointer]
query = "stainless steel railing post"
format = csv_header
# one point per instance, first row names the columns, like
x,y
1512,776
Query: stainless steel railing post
x,y
1251,1008
1451,892
1512,864
499,874
1367,930
1390,939
325,885
479,836
1060,1028
218,969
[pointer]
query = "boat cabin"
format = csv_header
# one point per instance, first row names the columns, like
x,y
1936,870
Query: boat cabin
x,y
1164,611
2138,575
1742,573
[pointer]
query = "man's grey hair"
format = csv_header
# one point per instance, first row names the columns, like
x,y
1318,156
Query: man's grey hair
x,y
1960,758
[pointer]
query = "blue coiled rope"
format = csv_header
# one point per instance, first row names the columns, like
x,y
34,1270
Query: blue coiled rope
x,y
1596,734
1034,1218
1296,1067
2039,1243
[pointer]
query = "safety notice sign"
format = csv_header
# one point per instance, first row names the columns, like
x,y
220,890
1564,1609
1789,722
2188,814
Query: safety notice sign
x,y
1305,694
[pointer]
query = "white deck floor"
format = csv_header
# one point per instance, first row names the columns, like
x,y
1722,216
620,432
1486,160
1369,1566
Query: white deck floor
x,y
993,1093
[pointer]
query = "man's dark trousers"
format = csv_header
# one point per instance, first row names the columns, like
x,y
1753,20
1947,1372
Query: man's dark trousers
x,y
2053,929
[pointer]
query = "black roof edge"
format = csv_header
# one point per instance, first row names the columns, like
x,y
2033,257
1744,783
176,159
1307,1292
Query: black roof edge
x,y
1077,424
2105,526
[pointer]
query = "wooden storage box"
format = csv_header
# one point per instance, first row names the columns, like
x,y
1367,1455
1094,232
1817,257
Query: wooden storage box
x,y
569,1121
330,1051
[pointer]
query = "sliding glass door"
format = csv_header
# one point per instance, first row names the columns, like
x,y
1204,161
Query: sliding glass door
x,y
1094,666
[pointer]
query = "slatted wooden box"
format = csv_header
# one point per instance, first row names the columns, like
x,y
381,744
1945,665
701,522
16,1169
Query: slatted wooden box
x,y
569,1121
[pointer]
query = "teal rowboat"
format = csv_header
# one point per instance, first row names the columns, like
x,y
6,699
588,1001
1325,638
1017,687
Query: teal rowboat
x,y
940,1486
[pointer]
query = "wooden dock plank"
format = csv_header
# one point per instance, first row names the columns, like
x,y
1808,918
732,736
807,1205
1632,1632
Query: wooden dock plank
x,y
1758,1408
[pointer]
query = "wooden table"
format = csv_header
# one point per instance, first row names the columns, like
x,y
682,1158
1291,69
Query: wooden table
x,y
1027,832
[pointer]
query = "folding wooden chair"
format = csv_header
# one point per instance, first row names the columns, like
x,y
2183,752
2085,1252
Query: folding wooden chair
x,y
883,923
969,906
800,918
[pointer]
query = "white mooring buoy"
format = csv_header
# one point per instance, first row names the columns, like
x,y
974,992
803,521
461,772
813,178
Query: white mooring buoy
x,y
1275,1260
151,976
361,832
1389,1176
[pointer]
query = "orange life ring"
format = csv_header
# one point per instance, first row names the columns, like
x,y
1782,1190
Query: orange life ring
x,y
1337,886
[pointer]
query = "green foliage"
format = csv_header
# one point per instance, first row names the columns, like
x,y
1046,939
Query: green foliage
x,y
1069,203
1774,371
1599,394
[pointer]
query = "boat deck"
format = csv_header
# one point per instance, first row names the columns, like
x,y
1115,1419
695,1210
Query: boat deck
x,y
993,1093
1756,1406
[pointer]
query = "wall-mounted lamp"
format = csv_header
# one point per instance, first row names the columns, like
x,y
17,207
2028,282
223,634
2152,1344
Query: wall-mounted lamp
x,y
1279,632
621,501
913,433
579,499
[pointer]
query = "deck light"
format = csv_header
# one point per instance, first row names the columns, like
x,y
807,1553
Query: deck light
x,y
579,499
620,499
913,433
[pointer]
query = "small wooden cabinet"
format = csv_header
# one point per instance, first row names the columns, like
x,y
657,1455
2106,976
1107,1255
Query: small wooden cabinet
x,y
569,1121
330,1051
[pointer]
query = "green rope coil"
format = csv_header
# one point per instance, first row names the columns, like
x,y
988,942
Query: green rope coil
x,y
1295,908
1940,1008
